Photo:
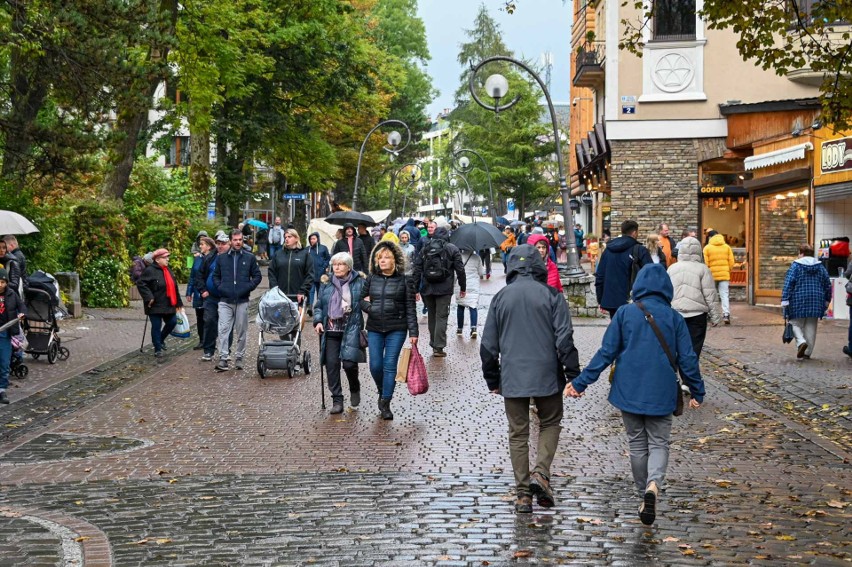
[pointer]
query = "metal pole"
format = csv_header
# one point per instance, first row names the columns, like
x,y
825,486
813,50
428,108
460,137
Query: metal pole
x,y
361,154
487,174
573,268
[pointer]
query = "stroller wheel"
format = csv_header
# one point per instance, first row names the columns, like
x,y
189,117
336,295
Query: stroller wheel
x,y
21,371
35,356
291,367
52,353
261,369
64,353
306,362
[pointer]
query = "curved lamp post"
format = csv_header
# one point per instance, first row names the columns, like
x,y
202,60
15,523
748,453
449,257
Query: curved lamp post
x,y
497,86
414,176
394,139
454,185
464,167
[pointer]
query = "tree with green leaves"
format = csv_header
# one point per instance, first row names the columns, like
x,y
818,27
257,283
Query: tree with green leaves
x,y
515,143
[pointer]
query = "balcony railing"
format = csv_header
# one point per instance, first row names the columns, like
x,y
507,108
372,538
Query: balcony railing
x,y
590,71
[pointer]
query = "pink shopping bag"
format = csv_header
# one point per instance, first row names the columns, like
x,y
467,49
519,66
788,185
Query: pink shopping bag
x,y
418,383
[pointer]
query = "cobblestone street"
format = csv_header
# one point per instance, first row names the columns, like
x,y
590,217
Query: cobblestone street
x,y
174,464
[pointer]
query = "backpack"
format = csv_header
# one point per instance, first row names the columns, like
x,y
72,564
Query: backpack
x,y
136,268
436,261
276,235
635,266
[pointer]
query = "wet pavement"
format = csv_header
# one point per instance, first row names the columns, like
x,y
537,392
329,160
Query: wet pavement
x,y
174,464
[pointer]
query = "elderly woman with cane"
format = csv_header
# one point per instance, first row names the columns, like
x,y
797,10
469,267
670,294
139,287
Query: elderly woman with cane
x,y
161,298
339,321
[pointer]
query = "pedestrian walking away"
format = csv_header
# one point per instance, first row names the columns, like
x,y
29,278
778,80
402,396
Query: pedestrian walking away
x,y
338,321
719,257
694,292
235,275
436,267
805,298
11,308
528,352
161,298
473,272
388,300
275,237
644,382
321,258
616,271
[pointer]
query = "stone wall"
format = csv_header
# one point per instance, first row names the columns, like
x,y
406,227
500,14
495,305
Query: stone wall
x,y
656,181
580,295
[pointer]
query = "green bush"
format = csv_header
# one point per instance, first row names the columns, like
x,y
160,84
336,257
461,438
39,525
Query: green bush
x,y
98,285
101,255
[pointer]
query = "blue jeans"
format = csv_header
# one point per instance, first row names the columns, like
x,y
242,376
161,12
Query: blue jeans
x,y
313,293
474,313
5,359
273,250
384,351
161,327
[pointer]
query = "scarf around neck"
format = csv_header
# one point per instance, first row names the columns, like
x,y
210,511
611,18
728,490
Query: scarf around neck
x,y
171,288
340,304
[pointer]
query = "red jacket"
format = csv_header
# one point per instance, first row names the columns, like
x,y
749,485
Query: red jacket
x,y
552,271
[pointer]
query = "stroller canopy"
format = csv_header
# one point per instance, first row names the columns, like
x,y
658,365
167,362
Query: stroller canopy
x,y
277,313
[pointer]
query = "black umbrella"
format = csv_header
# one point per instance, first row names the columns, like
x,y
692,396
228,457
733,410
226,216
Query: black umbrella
x,y
477,236
347,217
502,221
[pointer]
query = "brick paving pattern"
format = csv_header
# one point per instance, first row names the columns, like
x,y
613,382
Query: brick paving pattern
x,y
238,470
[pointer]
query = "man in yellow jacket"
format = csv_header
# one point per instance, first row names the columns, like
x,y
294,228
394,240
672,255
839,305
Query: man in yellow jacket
x,y
720,259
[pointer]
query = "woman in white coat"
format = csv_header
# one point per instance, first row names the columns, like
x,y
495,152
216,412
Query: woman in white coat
x,y
694,291
473,271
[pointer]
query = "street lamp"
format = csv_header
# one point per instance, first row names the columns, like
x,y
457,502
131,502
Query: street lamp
x,y
497,87
465,167
394,139
414,174
454,184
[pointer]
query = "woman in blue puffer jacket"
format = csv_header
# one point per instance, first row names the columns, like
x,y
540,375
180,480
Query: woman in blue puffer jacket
x,y
644,384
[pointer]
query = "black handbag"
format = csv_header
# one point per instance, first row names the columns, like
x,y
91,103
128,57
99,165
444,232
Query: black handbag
x,y
788,336
650,318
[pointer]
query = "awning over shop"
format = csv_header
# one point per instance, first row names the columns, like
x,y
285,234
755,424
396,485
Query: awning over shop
x,y
778,156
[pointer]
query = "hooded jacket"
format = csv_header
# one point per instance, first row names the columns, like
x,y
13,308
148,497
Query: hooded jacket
x,y
292,271
320,256
360,259
350,344
472,272
456,265
414,232
12,307
612,276
719,258
392,298
203,273
694,289
807,289
553,279
644,382
527,346
236,275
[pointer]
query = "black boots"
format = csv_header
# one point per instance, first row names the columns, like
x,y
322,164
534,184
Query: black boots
x,y
384,407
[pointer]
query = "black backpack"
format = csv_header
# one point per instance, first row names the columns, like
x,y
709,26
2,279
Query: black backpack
x,y
436,261
635,266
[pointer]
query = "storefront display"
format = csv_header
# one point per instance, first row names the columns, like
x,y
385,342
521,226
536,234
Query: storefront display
x,y
725,210
781,226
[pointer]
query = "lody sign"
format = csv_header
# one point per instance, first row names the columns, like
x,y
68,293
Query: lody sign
x,y
836,156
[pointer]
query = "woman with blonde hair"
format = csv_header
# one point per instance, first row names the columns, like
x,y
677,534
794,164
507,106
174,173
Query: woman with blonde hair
x,y
655,249
388,299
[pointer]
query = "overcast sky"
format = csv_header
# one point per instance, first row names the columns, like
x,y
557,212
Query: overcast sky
x,y
536,27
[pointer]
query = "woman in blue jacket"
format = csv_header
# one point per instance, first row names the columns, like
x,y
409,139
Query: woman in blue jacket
x,y
644,384
321,257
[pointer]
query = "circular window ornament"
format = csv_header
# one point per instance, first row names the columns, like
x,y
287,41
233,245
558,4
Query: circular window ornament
x,y
673,73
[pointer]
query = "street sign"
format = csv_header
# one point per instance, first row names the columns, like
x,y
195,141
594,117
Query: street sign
x,y
211,210
510,204
587,199
628,109
295,196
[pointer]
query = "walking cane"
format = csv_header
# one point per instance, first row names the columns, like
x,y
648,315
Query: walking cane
x,y
144,330
322,373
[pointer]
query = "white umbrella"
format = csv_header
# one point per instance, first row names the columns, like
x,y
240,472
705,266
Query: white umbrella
x,y
13,223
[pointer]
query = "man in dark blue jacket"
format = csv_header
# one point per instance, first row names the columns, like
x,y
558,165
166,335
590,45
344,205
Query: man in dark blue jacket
x,y
235,276
617,268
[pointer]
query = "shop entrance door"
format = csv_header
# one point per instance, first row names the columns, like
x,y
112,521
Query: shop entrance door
x,y
781,225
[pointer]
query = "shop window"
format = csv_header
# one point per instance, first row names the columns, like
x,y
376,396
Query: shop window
x,y
674,20
782,224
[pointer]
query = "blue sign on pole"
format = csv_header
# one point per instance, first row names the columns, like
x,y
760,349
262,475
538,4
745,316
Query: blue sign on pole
x,y
510,205
211,210
295,196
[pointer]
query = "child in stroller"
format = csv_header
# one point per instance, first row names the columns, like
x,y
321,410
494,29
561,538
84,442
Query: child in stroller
x,y
278,314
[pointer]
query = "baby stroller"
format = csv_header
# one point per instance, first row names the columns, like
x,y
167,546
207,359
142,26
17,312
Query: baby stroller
x,y
278,314
41,327
17,367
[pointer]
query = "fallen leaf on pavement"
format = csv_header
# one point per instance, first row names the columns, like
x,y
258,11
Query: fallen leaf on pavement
x,y
522,553
836,504
81,539
785,537
670,539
